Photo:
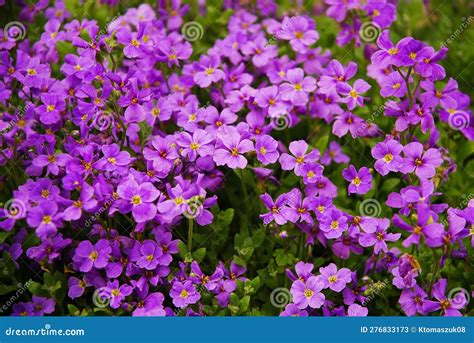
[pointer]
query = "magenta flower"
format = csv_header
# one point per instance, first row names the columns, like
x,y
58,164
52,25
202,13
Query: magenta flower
x,y
113,159
412,300
278,209
333,278
184,293
138,198
333,223
231,148
208,71
266,148
307,293
45,218
300,157
352,95
449,307
88,256
298,87
360,181
388,156
199,144
377,237
270,99
422,163
147,254
298,31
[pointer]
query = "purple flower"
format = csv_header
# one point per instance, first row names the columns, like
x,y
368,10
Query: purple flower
x,y
388,156
298,87
378,236
355,310
299,158
277,209
393,85
208,71
117,293
199,144
113,159
266,148
88,256
138,199
333,278
412,300
423,163
297,30
351,95
291,310
334,153
45,218
183,294
333,223
449,307
270,98
231,148
42,306
360,181
307,293
146,254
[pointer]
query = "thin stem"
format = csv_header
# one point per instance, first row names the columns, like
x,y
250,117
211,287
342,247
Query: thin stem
x,y
190,234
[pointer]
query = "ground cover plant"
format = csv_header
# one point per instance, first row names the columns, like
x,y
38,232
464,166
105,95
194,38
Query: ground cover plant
x,y
292,158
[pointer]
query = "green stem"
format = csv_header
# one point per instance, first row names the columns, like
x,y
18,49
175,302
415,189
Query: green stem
x,y
190,234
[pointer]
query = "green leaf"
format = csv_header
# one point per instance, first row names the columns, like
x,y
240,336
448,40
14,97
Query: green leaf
x,y
199,254
36,288
4,235
258,238
244,303
5,289
73,310
182,249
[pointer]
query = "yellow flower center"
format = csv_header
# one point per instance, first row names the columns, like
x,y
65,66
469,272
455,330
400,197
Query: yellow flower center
x,y
353,93
112,160
396,85
135,43
93,255
178,200
209,71
184,294
136,200
298,87
332,278
356,181
392,51
47,219
334,224
45,193
310,174
263,151
412,55
308,293
31,71
234,152
299,35
194,146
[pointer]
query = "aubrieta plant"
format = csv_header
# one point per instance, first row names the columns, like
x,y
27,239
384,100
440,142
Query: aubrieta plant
x,y
156,166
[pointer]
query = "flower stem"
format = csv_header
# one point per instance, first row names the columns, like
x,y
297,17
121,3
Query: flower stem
x,y
190,234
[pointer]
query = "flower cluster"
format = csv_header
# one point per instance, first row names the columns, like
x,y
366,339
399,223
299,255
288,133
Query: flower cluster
x,y
159,143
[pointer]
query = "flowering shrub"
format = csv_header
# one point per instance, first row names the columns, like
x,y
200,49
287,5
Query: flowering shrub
x,y
231,165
